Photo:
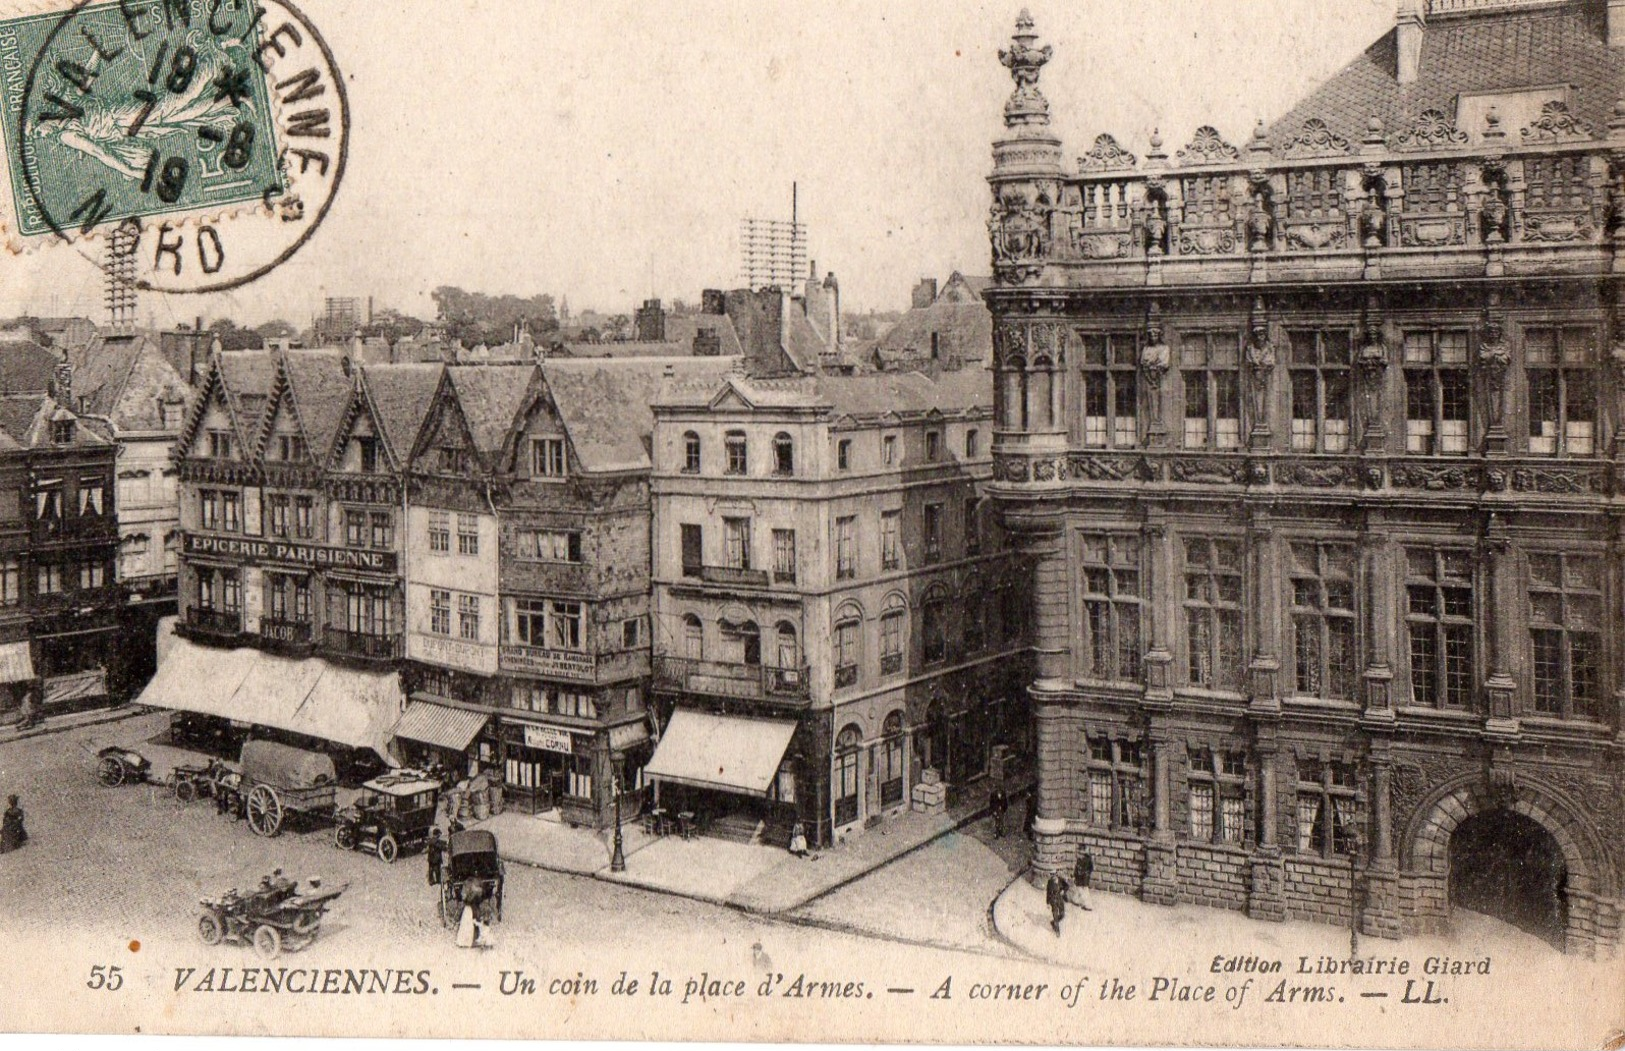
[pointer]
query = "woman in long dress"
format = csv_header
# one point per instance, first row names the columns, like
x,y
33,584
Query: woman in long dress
x,y
467,928
12,832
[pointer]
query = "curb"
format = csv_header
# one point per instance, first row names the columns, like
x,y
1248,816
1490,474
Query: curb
x,y
111,716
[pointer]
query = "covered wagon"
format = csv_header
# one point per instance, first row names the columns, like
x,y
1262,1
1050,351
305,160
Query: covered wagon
x,y
279,780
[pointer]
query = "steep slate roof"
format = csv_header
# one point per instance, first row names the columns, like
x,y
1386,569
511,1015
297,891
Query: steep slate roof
x,y
401,396
604,404
247,377
490,397
681,328
965,330
25,366
629,349
867,395
1504,50
126,378
321,389
25,419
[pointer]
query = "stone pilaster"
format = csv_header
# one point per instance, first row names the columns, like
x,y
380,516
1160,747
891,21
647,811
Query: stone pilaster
x,y
1059,730
1052,648
1379,914
1161,860
1505,599
1265,618
1161,605
1381,614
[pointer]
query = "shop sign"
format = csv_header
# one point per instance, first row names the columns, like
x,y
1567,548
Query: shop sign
x,y
549,739
558,664
320,556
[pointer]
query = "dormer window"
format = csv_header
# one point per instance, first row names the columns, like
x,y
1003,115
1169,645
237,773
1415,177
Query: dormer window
x,y
220,445
170,414
453,461
369,454
62,431
290,447
547,457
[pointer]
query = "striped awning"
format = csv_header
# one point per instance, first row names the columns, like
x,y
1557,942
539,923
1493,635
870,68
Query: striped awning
x,y
15,663
440,725
726,752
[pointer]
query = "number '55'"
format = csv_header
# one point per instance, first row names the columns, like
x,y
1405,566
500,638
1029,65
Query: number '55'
x,y
105,977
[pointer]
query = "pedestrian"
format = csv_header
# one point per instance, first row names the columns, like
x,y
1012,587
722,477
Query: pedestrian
x,y
12,833
436,853
1082,872
999,800
1055,895
798,840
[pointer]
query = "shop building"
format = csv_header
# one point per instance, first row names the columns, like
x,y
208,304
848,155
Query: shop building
x,y
835,637
1315,446
59,603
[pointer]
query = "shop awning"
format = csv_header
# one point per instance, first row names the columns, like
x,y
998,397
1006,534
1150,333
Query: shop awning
x,y
441,725
310,696
726,752
15,663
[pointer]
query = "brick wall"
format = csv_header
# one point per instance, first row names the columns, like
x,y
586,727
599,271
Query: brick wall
x,y
1209,876
1317,891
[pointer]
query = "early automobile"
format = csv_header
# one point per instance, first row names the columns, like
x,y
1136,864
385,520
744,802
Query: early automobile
x,y
393,813
472,874
117,765
279,781
274,916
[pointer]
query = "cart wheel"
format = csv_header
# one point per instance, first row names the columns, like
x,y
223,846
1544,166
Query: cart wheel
x,y
446,916
264,811
185,790
210,929
110,771
306,922
267,941
344,837
388,849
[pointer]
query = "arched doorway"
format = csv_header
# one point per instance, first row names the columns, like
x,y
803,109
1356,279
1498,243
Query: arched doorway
x,y
1504,864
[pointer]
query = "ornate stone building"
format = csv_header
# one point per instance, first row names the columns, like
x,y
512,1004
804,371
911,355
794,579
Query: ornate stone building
x,y
1317,444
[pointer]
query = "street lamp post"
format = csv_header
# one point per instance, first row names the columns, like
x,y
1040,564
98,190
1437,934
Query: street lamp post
x,y
1356,845
617,860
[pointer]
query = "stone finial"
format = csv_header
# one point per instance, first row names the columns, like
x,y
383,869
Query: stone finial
x,y
1155,155
1493,131
1027,106
1261,139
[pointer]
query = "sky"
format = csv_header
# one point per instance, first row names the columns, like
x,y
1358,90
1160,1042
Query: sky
x,y
606,150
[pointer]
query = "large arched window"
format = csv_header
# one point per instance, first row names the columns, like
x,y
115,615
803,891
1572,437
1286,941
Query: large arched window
x,y
784,455
744,642
846,775
848,648
974,624
893,759
893,634
693,638
788,648
691,453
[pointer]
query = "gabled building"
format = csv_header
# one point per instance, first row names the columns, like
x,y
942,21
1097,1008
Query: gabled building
x,y
59,604
947,329
835,638
1315,442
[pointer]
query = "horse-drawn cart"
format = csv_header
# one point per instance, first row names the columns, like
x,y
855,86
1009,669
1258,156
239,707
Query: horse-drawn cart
x,y
279,781
273,917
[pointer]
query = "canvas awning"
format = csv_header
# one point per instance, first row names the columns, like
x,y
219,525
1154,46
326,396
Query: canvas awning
x,y
726,752
441,725
310,696
16,665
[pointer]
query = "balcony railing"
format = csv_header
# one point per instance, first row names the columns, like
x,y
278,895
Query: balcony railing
x,y
214,621
891,663
726,679
360,644
286,632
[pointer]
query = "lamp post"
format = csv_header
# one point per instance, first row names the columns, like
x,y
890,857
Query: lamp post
x,y
617,860
1356,845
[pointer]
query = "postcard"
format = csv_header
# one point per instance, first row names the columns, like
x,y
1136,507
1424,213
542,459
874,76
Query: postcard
x,y
1086,524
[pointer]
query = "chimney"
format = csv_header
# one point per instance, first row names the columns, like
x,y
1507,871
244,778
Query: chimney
x,y
1408,30
925,293
62,384
707,344
712,301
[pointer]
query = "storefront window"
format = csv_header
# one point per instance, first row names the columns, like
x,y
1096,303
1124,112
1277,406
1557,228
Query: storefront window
x,y
891,760
844,781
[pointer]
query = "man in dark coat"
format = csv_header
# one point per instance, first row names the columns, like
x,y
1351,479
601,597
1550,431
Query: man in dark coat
x,y
1082,872
1055,895
12,833
1000,804
436,853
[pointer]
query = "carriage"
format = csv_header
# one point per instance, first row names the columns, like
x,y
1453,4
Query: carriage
x,y
117,765
280,781
272,917
393,813
472,873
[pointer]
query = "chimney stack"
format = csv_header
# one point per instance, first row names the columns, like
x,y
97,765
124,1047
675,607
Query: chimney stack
x,y
1408,30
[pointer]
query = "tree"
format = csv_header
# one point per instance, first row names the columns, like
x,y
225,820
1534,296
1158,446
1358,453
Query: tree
x,y
393,325
277,329
234,338
475,317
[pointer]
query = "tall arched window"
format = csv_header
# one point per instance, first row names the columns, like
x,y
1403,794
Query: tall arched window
x,y
893,635
974,624
788,647
846,775
934,624
693,638
784,454
848,631
893,759
691,453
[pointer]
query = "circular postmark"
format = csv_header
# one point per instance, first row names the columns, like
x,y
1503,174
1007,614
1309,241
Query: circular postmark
x,y
184,145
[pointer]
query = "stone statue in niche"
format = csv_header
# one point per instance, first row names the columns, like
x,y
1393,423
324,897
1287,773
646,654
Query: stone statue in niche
x,y
1372,362
1495,212
1374,212
1261,221
1156,220
1260,355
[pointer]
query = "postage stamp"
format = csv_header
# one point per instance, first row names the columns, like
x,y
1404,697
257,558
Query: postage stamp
x,y
203,139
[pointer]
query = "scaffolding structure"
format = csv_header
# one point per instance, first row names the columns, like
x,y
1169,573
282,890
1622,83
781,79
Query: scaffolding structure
x,y
120,295
773,252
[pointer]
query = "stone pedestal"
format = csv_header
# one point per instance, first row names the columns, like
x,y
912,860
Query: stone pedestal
x,y
1266,888
931,795
1379,917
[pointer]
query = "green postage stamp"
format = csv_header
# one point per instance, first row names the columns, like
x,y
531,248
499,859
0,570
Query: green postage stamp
x,y
122,110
